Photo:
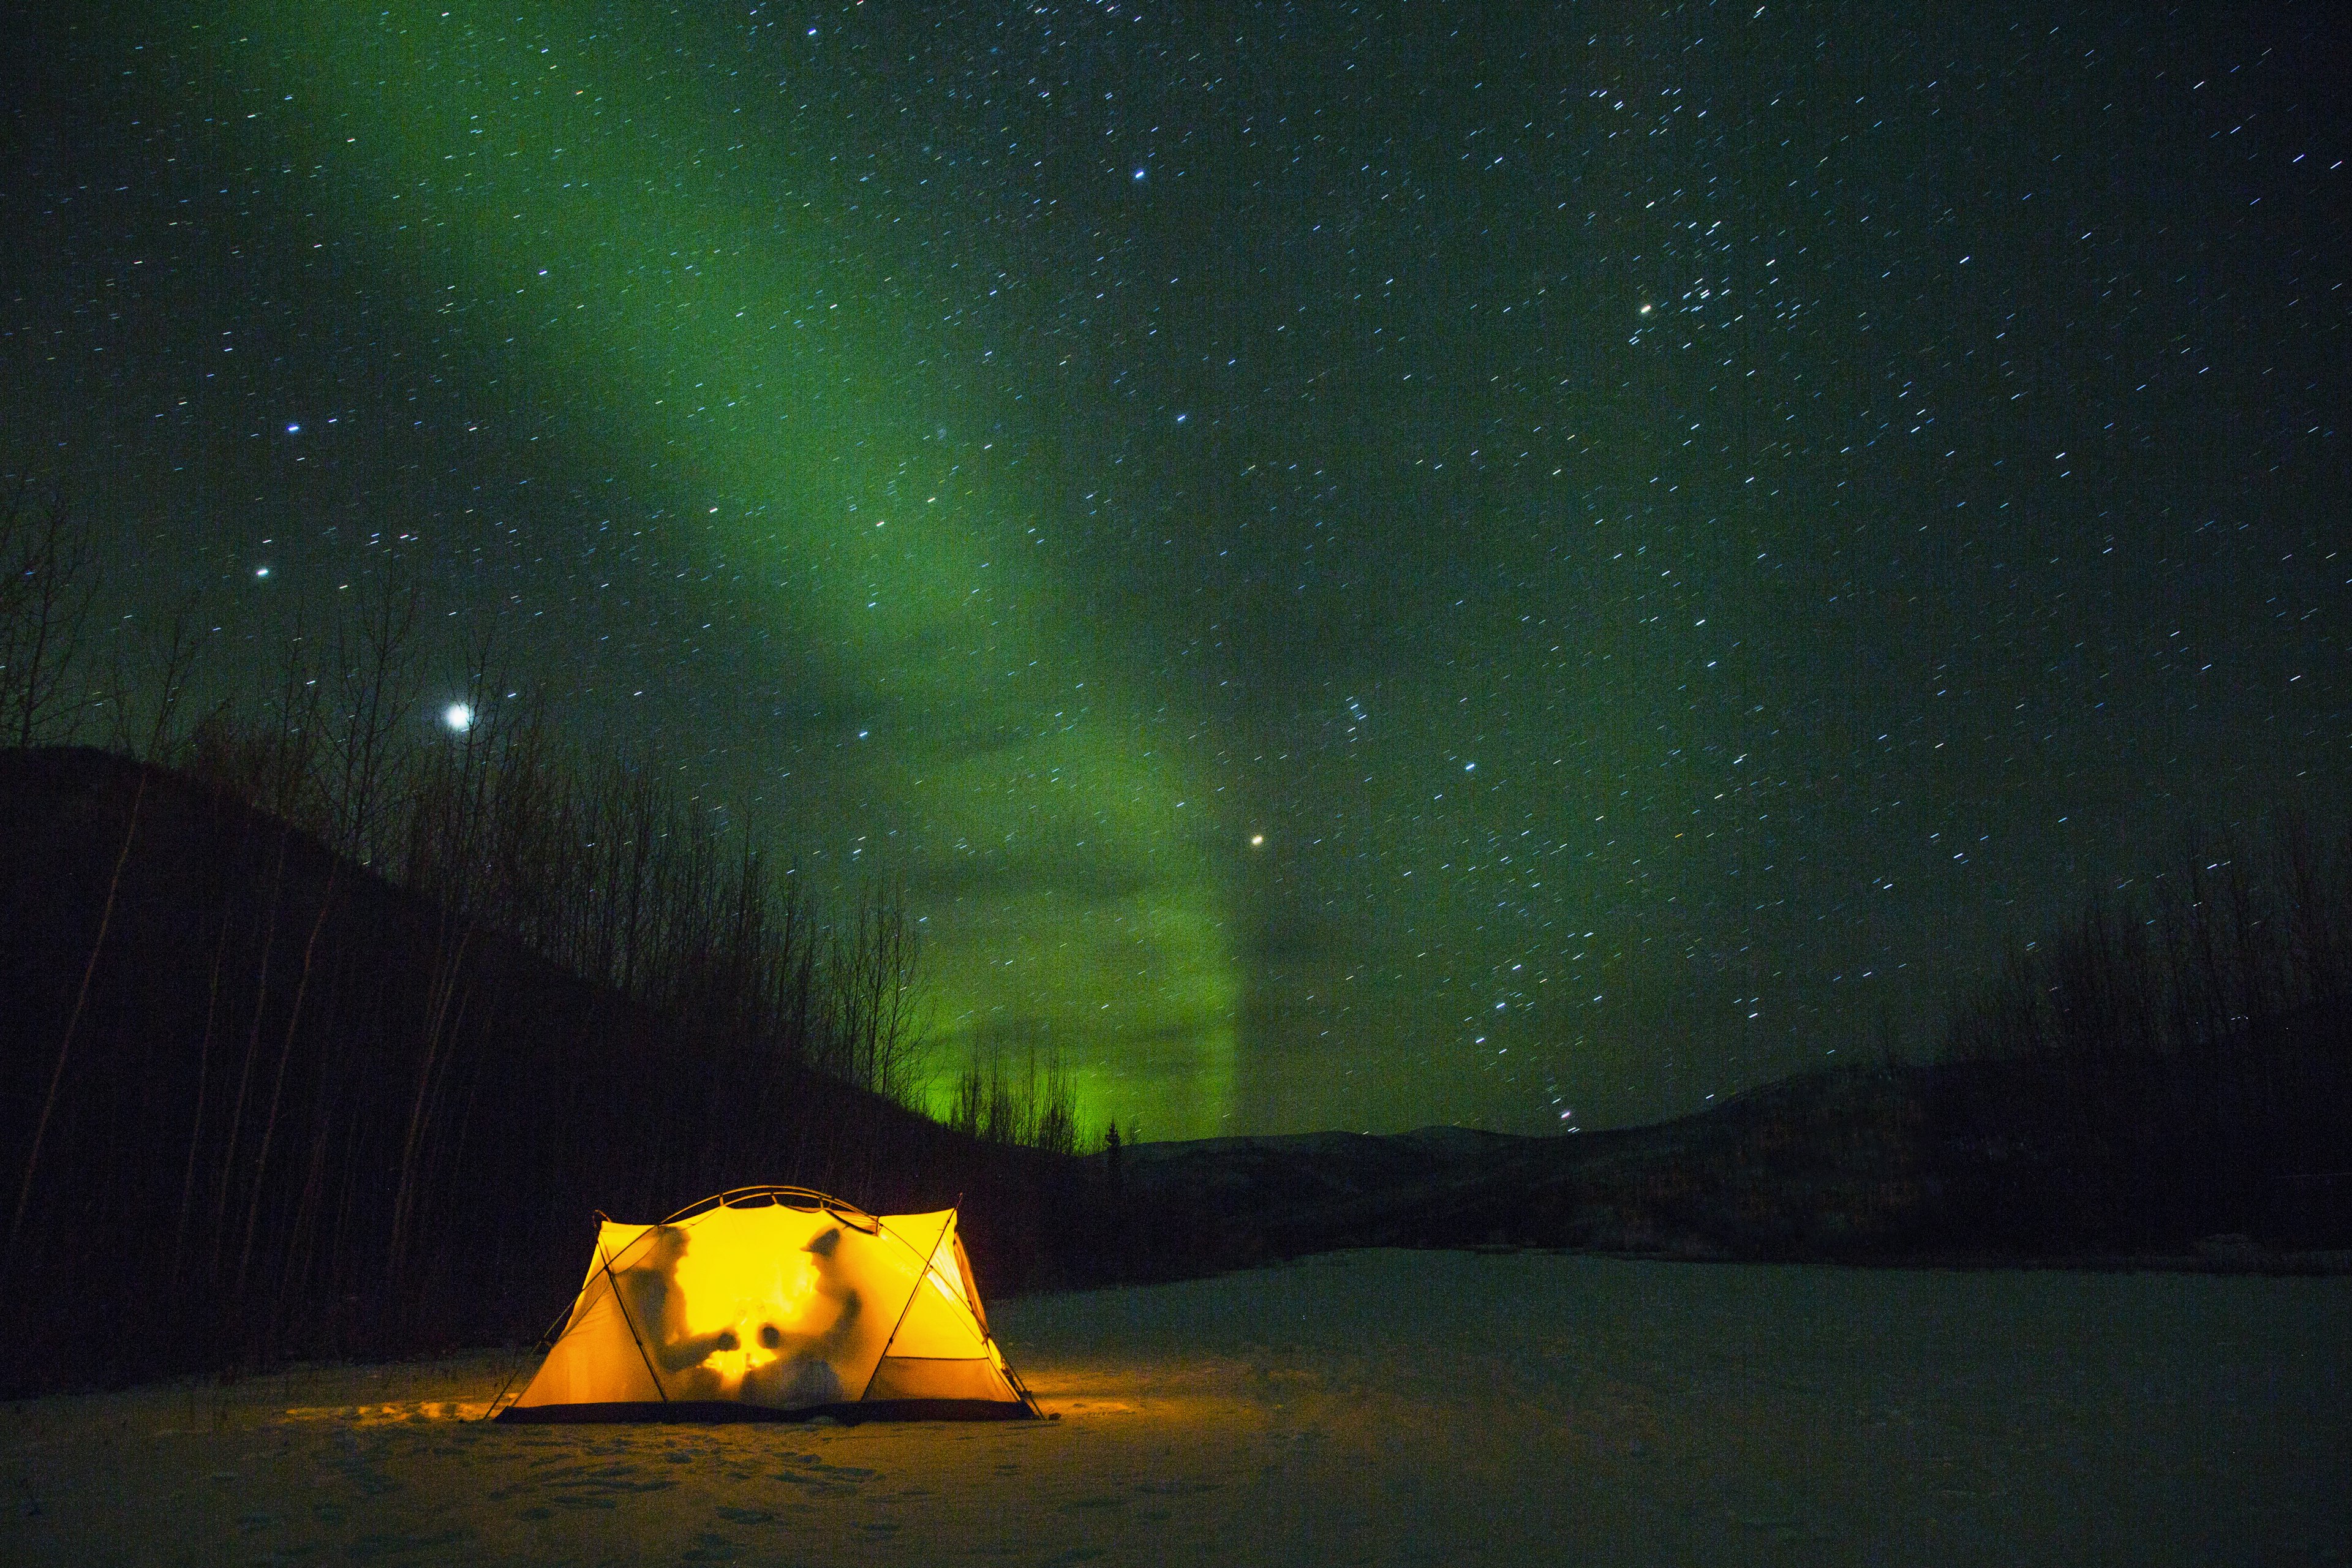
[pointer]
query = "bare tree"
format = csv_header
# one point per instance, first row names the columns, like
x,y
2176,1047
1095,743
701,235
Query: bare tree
x,y
377,696
871,986
175,661
49,575
73,1023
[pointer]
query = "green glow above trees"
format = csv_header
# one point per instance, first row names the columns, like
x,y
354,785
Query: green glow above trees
x,y
730,340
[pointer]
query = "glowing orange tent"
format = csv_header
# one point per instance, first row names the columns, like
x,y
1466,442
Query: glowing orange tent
x,y
775,1303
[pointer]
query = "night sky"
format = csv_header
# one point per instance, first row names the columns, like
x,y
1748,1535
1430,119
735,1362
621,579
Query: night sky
x,y
1364,565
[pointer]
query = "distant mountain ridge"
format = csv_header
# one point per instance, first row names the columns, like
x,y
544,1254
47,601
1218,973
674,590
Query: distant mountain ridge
x,y
1890,1165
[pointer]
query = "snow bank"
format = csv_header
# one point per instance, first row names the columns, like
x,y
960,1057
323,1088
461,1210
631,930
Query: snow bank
x,y
1388,1407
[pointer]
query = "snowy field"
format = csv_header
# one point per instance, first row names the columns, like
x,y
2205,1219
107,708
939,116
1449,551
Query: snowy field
x,y
1377,1407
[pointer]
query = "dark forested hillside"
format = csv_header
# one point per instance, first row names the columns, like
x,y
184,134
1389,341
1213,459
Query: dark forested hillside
x,y
261,1102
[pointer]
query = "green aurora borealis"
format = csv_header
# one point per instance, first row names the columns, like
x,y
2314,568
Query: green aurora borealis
x,y
768,393
1362,566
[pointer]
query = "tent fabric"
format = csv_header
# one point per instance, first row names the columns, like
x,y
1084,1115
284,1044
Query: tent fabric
x,y
775,1303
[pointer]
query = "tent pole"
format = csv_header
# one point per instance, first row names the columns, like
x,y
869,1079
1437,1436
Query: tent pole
x,y
546,1340
908,1306
1019,1387
620,1301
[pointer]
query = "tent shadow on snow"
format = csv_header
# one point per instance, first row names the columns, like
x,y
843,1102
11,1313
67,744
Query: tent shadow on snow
x,y
775,1303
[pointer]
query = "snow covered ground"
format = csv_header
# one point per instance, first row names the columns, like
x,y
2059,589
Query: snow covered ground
x,y
1380,1408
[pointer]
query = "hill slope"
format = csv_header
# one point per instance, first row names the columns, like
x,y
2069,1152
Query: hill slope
x,y
264,1103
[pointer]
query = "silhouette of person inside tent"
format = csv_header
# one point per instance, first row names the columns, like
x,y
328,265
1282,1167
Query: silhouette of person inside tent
x,y
803,1373
657,1308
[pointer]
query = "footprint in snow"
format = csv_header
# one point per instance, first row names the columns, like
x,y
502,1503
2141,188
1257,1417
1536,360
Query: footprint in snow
x,y
431,1547
583,1486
